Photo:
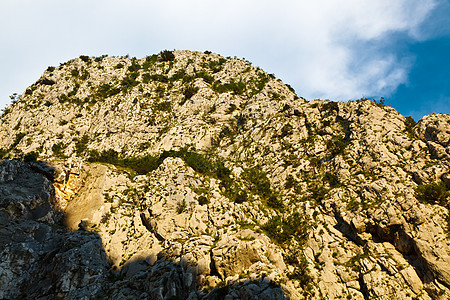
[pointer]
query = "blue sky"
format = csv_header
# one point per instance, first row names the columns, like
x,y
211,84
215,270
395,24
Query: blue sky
x,y
327,49
428,86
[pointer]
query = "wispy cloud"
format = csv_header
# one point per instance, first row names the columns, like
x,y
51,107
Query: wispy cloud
x,y
326,48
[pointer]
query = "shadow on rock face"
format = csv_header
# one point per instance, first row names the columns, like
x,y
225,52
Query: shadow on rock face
x,y
41,259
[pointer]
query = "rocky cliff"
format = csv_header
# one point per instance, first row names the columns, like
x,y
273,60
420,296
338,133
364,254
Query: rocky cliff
x,y
187,175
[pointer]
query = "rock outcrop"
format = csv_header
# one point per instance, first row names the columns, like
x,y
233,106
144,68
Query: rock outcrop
x,y
192,176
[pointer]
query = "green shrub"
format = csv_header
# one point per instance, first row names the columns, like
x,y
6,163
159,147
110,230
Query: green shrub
x,y
223,174
100,58
75,72
290,88
17,140
345,124
226,132
205,76
237,88
282,229
202,200
318,193
180,75
330,106
290,182
166,55
332,179
216,65
159,78
163,106
81,145
146,77
287,130
105,218
198,162
336,145
3,152
85,58
84,74
258,181
134,67
148,163
433,193
181,206
301,273
58,149
274,202
129,81
149,61
142,165
62,98
409,125
188,93
106,91
74,91
239,196
263,79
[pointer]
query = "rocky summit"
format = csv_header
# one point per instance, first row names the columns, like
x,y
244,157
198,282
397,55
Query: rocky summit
x,y
187,175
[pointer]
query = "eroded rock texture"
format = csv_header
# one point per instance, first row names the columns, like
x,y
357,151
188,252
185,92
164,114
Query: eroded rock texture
x,y
195,176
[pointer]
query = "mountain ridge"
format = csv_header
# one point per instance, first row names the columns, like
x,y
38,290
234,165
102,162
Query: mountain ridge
x,y
210,162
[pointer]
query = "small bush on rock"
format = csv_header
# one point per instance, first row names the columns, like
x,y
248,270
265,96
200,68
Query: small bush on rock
x,y
166,55
433,193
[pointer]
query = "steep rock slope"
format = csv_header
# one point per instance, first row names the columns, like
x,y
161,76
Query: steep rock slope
x,y
216,176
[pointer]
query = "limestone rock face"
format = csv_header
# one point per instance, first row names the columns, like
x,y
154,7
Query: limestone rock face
x,y
187,175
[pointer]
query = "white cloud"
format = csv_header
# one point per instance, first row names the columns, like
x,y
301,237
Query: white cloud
x,y
325,48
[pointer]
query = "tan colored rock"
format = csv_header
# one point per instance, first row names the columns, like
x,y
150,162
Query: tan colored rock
x,y
347,172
